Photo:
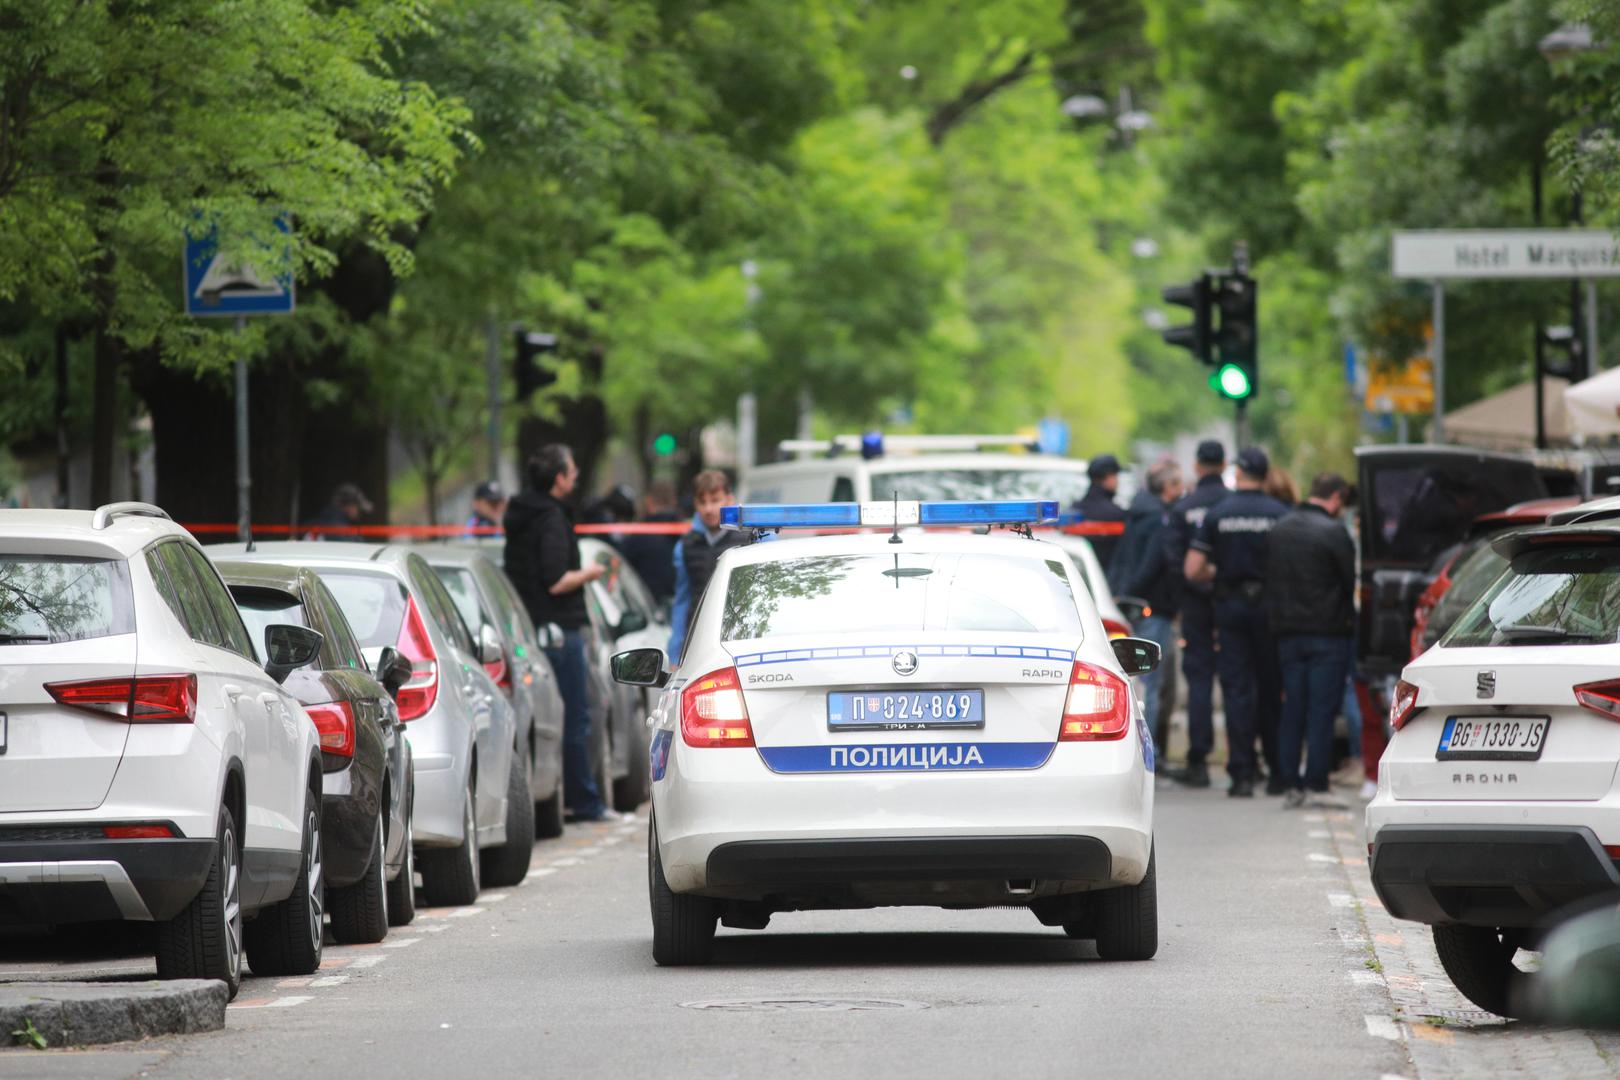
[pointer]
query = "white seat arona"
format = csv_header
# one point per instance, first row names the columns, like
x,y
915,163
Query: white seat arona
x,y
928,719
1498,804
151,768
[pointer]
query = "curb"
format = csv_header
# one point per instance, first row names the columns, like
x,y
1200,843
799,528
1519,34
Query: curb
x,y
87,1013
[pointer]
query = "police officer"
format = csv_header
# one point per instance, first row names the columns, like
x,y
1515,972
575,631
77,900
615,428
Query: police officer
x,y
1230,551
1099,506
1197,609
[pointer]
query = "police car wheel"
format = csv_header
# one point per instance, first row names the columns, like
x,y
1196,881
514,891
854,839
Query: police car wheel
x,y
1127,919
683,926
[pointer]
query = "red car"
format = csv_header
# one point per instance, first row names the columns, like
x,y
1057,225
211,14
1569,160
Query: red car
x,y
1472,568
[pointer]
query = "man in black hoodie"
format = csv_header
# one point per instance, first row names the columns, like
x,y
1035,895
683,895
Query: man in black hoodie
x,y
1141,570
542,559
1099,506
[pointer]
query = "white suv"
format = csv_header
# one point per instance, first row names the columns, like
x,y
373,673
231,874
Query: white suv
x,y
1498,806
151,768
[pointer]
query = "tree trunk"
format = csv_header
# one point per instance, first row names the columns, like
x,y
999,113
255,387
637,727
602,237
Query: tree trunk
x,y
105,425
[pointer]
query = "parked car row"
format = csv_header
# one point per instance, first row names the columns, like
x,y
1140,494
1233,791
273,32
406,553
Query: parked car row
x,y
242,744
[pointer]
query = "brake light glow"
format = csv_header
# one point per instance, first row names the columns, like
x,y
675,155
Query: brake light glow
x,y
334,722
137,832
147,699
1098,706
1602,698
1116,629
713,713
1402,704
419,693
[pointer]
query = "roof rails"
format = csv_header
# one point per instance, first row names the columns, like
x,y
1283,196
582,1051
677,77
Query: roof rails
x,y
906,443
1602,509
105,514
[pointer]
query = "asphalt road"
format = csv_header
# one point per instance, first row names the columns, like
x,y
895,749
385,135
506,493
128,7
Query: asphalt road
x,y
1274,961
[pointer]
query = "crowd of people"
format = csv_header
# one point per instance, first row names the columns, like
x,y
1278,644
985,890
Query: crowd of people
x,y
1263,584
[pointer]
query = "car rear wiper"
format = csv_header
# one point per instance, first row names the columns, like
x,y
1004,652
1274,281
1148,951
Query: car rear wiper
x,y
1516,634
23,639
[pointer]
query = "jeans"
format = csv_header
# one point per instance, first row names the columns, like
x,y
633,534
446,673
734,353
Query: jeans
x,y
1158,629
1198,665
1313,671
579,781
1247,662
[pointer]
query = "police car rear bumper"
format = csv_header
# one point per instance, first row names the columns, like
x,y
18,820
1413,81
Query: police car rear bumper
x,y
726,823
777,864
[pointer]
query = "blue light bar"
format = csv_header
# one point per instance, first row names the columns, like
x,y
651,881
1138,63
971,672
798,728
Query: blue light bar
x,y
886,514
1013,512
791,516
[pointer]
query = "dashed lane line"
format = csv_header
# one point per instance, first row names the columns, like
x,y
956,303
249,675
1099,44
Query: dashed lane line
x,y
287,1002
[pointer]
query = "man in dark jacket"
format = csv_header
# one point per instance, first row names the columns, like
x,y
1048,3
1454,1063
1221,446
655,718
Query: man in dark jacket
x,y
1140,571
1230,552
698,551
1197,607
1310,597
1099,506
653,555
542,559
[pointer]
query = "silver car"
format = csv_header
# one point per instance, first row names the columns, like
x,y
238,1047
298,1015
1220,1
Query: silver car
x,y
473,818
487,600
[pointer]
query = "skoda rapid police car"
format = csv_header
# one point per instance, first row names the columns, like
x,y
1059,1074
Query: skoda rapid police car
x,y
899,718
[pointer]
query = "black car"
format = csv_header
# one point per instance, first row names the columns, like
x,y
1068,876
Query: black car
x,y
368,774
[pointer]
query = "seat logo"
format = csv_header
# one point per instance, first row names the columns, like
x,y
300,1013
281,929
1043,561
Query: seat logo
x,y
1485,684
905,662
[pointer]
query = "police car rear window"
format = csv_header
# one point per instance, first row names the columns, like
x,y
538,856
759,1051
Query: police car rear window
x,y
900,591
1064,485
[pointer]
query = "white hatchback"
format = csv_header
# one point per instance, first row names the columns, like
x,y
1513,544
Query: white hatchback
x,y
868,720
1498,805
151,767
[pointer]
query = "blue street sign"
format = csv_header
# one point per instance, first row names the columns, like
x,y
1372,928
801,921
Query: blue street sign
x,y
1052,436
215,284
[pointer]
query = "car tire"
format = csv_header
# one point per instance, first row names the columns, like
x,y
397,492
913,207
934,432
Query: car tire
x,y
402,890
204,941
509,863
360,911
683,926
286,937
632,790
548,813
451,876
1127,919
1479,962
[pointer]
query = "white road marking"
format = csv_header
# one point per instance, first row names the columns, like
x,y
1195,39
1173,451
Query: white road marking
x,y
330,980
401,943
275,1003
1319,834
368,961
1382,1027
1366,978
586,852
493,898
464,912
565,862
436,928
1319,857
541,871
1341,899
1314,817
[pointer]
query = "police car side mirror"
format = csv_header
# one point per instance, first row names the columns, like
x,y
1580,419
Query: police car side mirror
x,y
1137,656
640,667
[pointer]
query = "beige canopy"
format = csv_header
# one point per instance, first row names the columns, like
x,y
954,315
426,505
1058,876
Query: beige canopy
x,y
1507,421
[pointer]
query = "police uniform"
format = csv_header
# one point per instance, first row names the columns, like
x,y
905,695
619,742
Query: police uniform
x,y
1233,536
1197,612
1098,506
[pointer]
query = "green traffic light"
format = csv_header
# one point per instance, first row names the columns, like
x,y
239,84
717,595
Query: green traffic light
x,y
664,445
1231,381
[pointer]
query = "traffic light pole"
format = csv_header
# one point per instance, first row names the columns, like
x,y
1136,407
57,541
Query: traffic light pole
x,y
1240,425
492,372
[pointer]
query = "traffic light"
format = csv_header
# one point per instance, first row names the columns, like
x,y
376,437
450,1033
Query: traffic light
x,y
531,374
664,444
1195,336
1237,337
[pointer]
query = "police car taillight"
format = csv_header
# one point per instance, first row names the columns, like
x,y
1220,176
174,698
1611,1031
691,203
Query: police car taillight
x,y
1098,706
713,712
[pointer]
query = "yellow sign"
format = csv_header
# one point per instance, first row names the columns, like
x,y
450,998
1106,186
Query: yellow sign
x,y
1401,388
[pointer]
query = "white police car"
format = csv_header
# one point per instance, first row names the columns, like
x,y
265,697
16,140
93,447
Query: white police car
x,y
874,719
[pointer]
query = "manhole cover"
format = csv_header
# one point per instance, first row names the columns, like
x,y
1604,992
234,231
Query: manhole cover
x,y
803,1004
